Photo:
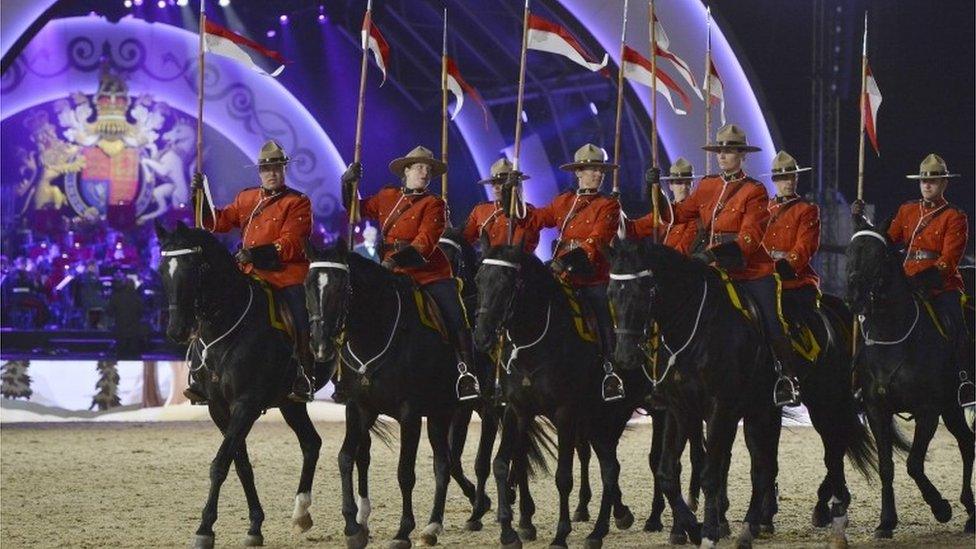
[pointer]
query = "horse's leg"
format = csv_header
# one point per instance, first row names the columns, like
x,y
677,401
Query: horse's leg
x,y
356,536
658,418
880,421
238,426
246,475
482,466
758,430
410,424
582,512
566,422
526,530
363,459
925,426
721,434
696,454
605,446
668,476
833,497
771,449
955,422
438,428
296,416
460,420
501,467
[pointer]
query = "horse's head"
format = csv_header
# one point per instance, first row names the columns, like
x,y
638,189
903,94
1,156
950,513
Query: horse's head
x,y
184,266
500,281
869,256
459,253
631,291
328,293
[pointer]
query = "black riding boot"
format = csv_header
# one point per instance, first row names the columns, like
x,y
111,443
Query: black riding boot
x,y
195,392
467,386
613,386
787,389
303,388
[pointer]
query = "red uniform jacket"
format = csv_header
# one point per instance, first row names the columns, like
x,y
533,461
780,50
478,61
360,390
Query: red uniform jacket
x,y
793,234
283,219
488,217
410,220
733,211
679,236
933,235
587,221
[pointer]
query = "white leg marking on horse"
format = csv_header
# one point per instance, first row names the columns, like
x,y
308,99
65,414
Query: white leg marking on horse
x,y
707,544
362,517
303,501
172,266
433,529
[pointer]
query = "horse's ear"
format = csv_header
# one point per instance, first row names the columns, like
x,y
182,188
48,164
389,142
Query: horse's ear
x,y
341,247
311,252
181,227
161,233
884,226
484,243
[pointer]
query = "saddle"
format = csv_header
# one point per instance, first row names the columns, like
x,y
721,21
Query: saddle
x,y
429,313
279,315
584,317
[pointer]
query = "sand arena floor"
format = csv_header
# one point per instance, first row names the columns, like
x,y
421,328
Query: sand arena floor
x,y
143,485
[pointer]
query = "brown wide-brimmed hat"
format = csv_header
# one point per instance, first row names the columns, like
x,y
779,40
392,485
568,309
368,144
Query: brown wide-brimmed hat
x,y
499,172
732,137
784,164
419,155
589,156
271,154
681,170
933,167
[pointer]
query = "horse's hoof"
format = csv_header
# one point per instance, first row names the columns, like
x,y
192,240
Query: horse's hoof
x,y
302,524
820,517
744,539
430,533
942,511
527,532
724,530
707,544
677,538
692,503
517,544
882,533
970,525
581,515
201,541
473,526
767,529
837,542
592,543
253,540
357,540
653,524
399,544
624,522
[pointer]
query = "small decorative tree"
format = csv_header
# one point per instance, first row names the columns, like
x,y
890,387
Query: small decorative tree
x,y
107,386
14,381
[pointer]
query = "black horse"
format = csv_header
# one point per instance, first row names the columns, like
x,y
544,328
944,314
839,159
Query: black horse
x,y
903,364
247,365
720,370
390,362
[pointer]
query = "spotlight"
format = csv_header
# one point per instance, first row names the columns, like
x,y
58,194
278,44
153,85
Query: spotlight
x,y
127,3
283,19
161,4
182,3
321,18
271,33
137,2
525,117
593,109
224,3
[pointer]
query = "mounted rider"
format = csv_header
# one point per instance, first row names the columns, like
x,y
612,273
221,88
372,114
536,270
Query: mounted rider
x,y
587,221
275,222
733,209
411,221
934,233
491,219
678,236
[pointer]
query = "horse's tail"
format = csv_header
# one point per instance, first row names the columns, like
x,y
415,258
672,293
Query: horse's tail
x,y
539,446
383,430
859,445
898,440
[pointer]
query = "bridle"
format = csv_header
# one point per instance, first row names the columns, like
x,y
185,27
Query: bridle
x,y
315,317
173,306
508,311
872,284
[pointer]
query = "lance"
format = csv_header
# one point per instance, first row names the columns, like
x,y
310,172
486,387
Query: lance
x,y
198,193
447,208
358,151
708,85
860,152
620,105
518,121
655,190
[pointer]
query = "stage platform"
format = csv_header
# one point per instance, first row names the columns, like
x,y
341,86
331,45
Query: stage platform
x,y
80,345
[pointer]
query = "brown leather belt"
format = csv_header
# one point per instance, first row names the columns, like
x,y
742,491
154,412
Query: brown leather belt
x,y
722,238
776,254
922,255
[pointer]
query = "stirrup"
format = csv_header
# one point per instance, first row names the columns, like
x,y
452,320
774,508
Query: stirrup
x,y
794,393
971,400
303,397
468,377
608,375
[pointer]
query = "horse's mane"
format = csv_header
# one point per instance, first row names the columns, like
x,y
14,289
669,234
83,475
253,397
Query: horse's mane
x,y
468,254
214,251
535,273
